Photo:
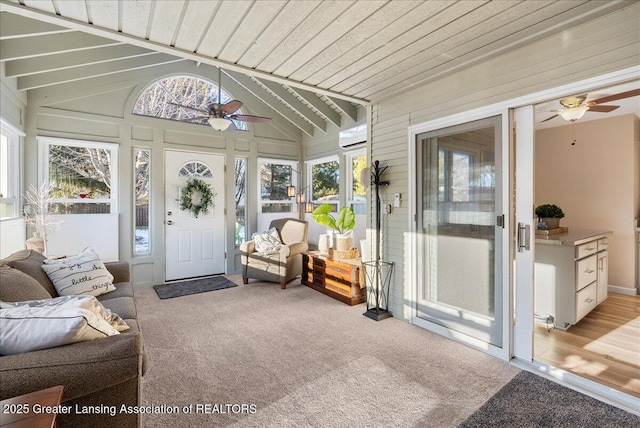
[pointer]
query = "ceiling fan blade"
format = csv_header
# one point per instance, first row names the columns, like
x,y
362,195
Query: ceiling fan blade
x,y
231,106
248,118
232,127
552,117
603,109
193,118
187,107
621,95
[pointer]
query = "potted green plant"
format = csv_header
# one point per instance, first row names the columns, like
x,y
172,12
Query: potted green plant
x,y
342,224
550,215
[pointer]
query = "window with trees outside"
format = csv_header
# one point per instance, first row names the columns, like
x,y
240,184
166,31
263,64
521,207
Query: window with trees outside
x,y
240,200
357,193
82,176
275,177
325,181
142,202
9,178
164,97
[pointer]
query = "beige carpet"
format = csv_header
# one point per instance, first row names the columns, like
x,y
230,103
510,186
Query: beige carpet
x,y
303,359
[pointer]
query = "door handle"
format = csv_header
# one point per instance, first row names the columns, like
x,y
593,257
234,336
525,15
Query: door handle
x,y
524,237
169,222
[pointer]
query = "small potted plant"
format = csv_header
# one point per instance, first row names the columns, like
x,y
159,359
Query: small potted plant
x,y
342,224
550,215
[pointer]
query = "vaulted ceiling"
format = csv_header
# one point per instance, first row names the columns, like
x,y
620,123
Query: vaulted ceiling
x,y
309,63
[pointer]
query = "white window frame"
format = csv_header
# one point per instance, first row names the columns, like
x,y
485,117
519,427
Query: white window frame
x,y
133,203
12,166
309,166
349,170
294,182
45,142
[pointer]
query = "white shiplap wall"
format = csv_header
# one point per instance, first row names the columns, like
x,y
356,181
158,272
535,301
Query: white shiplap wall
x,y
604,45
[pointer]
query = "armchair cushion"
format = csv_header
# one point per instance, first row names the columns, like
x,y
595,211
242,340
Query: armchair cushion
x,y
293,249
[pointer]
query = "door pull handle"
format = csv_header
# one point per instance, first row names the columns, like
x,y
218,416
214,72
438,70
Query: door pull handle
x,y
524,237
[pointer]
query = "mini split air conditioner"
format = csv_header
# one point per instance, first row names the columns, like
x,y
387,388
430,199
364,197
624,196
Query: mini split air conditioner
x,y
353,137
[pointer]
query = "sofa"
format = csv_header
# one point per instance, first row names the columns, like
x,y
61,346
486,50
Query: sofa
x,y
283,265
100,372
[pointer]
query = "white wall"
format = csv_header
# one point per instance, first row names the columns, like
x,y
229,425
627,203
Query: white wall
x,y
592,49
12,236
594,182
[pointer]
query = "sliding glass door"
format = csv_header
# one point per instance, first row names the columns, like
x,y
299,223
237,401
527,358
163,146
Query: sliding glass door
x,y
459,229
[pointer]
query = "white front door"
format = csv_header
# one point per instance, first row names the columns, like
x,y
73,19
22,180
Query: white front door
x,y
194,246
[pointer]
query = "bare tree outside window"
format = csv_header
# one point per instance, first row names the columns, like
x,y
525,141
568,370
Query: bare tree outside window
x,y
240,200
81,173
141,175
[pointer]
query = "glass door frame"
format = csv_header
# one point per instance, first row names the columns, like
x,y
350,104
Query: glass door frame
x,y
502,247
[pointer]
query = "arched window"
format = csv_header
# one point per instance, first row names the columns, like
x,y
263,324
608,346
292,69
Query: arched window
x,y
195,169
159,99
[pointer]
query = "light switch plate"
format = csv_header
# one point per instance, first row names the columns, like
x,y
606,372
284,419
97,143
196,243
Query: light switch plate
x,y
396,200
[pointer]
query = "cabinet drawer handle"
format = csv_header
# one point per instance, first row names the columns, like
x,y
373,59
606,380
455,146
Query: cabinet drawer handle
x,y
590,248
589,271
589,300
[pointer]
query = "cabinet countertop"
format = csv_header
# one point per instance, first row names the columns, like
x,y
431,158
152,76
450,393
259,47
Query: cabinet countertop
x,y
572,237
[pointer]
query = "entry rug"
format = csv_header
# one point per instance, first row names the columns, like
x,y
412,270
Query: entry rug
x,y
529,400
192,286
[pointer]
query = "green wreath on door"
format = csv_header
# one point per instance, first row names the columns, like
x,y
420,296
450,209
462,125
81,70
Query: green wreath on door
x,y
206,199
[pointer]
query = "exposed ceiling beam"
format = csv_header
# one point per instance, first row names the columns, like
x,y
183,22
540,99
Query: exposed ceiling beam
x,y
24,67
90,71
14,27
295,104
21,10
261,93
30,47
346,107
258,107
319,105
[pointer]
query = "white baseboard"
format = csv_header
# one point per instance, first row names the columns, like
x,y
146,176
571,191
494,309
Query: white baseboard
x,y
623,290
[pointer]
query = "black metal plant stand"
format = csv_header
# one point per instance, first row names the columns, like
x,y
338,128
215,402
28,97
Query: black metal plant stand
x,y
378,273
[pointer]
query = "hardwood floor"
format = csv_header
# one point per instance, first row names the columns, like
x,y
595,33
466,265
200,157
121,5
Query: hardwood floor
x,y
604,346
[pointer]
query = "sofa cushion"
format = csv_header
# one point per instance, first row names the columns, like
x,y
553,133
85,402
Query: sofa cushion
x,y
16,286
123,289
81,274
123,306
27,328
30,262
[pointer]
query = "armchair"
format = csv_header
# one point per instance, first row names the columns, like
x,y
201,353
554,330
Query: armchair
x,y
280,267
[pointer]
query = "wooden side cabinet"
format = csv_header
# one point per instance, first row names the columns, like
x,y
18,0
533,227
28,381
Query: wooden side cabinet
x,y
339,279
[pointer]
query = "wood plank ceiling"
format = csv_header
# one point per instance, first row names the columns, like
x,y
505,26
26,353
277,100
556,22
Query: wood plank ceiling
x,y
309,62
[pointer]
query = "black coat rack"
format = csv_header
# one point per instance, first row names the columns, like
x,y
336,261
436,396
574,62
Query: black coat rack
x,y
377,271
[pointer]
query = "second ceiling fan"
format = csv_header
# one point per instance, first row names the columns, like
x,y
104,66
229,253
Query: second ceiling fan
x,y
575,107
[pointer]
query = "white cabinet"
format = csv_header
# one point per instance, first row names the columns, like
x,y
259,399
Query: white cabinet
x,y
571,278
603,275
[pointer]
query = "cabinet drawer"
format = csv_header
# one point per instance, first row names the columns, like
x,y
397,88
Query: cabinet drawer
x,y
603,244
586,249
585,301
586,271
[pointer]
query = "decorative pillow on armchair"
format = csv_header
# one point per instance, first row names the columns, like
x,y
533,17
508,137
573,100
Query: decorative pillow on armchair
x,y
267,242
81,274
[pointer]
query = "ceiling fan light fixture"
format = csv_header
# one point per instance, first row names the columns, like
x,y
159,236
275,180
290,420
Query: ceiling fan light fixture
x,y
219,123
573,114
